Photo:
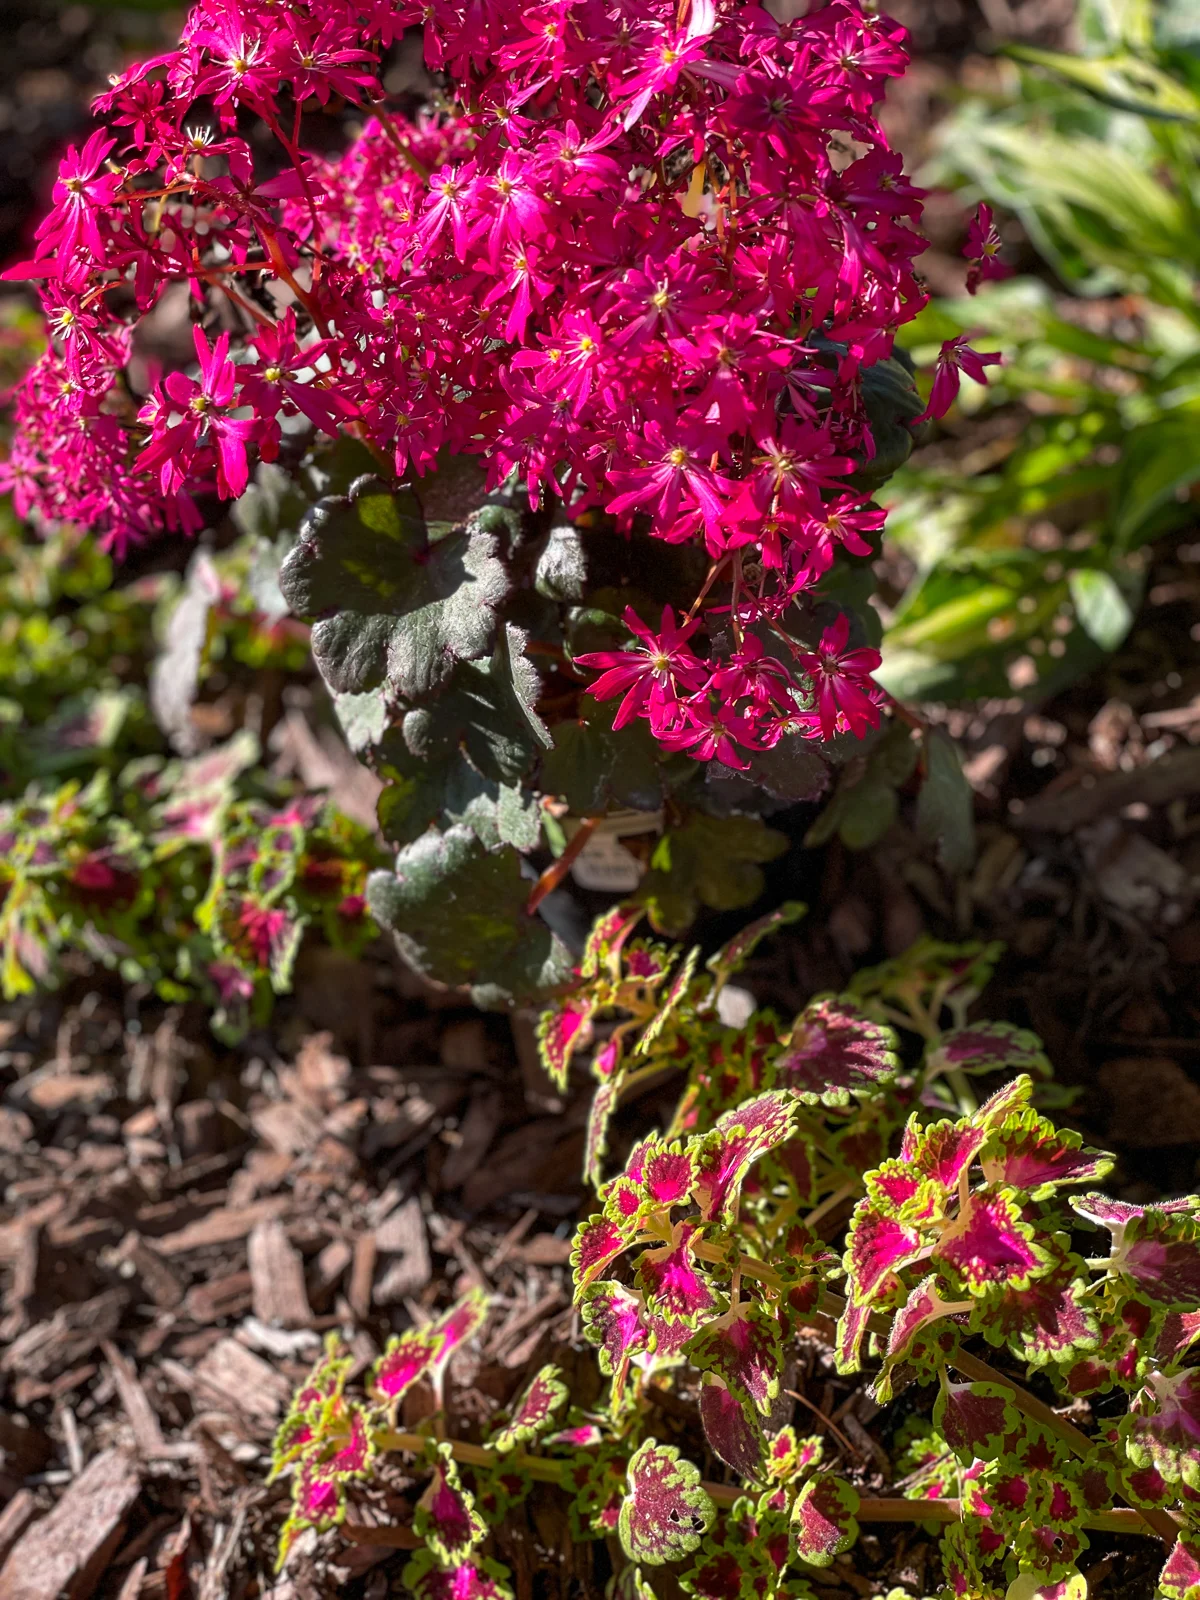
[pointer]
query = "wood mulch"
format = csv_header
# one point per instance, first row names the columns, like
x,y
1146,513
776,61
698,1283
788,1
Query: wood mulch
x,y
182,1225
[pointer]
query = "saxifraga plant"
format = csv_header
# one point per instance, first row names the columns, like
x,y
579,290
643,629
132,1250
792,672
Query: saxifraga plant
x,y
976,1227
603,334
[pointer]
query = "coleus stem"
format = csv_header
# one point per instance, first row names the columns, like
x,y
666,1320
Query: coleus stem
x,y
884,1508
1161,1522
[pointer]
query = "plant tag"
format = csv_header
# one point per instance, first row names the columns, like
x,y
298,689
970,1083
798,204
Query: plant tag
x,y
604,864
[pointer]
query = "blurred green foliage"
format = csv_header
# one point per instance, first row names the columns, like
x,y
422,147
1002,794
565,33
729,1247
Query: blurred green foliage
x,y
193,877
1029,543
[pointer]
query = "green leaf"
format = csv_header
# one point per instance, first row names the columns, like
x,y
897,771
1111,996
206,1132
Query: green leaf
x,y
865,804
1159,461
562,566
712,861
363,718
404,611
486,709
1102,609
457,912
891,401
422,794
595,769
945,805
1126,81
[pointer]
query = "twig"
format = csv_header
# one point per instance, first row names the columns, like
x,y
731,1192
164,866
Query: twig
x,y
828,1421
557,870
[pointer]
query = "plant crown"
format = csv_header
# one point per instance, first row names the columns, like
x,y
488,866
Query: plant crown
x,y
604,329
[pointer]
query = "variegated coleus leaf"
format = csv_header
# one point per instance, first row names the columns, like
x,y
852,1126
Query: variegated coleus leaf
x,y
986,1047
791,1458
1154,1248
461,1322
732,1428
535,1412
645,964
1051,1319
599,1240
742,1558
629,1584
1028,1153
970,1552
424,1579
597,1491
613,1319
670,1002
938,1154
730,957
877,1247
666,1511
343,1449
602,952
989,1244
804,1263
305,1417
563,1028
932,973
824,1520
497,1489
851,1330
1032,1585
1180,1576
1004,1102
445,1515
595,1144
1162,1427
974,1419
673,1283
744,1348
835,1051
927,1303
409,1356
923,1462
724,1156
925,1355
606,1062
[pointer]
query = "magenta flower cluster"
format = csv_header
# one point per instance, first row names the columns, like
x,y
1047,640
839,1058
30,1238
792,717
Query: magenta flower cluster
x,y
640,256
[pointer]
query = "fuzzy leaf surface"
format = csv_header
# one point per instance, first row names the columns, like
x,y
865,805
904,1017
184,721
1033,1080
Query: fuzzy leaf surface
x,y
391,606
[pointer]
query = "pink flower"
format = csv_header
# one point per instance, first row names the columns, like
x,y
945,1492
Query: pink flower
x,y
842,684
956,357
203,413
651,677
674,480
982,250
82,195
618,263
275,379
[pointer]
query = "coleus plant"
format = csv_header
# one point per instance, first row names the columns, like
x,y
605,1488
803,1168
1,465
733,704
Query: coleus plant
x,y
169,874
969,1226
604,334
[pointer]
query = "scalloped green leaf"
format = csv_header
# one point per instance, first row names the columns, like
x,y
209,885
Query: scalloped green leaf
x,y
390,606
457,912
